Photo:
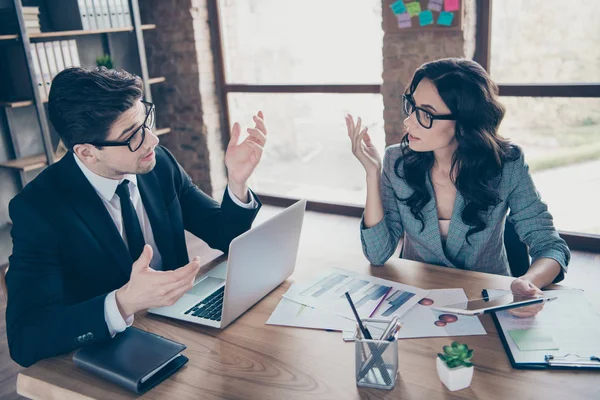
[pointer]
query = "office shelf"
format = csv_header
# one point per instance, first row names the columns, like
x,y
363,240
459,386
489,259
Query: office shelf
x,y
158,79
16,104
46,35
162,131
26,164
9,37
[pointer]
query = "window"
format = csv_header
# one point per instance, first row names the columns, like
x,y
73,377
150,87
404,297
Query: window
x,y
287,53
309,153
312,42
545,41
561,141
544,48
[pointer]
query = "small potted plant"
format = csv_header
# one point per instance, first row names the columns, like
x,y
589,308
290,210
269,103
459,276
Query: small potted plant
x,y
454,367
104,61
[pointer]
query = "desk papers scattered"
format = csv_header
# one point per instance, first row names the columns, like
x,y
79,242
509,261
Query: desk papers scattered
x,y
318,305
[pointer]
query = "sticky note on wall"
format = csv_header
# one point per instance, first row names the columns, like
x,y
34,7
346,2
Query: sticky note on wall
x,y
451,5
435,5
414,8
425,18
445,18
398,7
404,20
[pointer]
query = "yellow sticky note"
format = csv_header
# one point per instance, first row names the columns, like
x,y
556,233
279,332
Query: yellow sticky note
x,y
413,8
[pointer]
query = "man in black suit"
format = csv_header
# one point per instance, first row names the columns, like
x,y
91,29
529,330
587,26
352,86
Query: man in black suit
x,y
99,235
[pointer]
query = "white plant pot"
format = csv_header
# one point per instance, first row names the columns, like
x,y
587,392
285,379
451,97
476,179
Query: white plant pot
x,y
454,378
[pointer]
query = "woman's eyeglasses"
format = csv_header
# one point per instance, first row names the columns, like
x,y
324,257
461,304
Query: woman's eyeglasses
x,y
424,117
135,140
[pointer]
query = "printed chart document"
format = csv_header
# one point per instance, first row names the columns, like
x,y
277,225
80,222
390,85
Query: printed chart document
x,y
290,313
421,321
368,294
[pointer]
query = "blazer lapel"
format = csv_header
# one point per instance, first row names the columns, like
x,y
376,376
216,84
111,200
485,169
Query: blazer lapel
x,y
432,228
155,206
86,202
457,230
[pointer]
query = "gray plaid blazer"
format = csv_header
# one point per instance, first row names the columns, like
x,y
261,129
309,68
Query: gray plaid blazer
x,y
486,251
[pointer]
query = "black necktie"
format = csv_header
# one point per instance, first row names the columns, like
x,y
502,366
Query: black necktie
x,y
131,223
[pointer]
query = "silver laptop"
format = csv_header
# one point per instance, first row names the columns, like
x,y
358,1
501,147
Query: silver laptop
x,y
259,260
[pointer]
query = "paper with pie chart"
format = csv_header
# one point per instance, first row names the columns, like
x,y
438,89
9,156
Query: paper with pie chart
x,y
422,321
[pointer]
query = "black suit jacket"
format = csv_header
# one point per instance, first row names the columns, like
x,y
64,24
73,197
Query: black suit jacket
x,y
68,255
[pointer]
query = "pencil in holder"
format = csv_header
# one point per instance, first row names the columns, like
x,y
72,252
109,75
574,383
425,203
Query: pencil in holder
x,y
376,362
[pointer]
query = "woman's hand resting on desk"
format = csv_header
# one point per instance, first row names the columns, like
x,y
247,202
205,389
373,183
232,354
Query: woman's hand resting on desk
x,y
362,146
525,288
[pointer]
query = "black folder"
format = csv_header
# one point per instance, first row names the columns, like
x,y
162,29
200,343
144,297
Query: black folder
x,y
134,359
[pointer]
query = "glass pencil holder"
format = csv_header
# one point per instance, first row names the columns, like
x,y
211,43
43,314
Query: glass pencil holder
x,y
376,362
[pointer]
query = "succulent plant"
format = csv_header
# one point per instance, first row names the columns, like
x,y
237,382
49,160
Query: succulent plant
x,y
456,355
104,61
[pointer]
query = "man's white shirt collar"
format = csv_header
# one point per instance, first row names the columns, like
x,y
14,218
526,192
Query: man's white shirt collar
x,y
105,187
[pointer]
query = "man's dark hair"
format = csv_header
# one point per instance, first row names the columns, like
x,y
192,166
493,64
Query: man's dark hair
x,y
84,103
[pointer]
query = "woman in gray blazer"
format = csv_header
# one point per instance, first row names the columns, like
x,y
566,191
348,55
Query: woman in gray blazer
x,y
448,186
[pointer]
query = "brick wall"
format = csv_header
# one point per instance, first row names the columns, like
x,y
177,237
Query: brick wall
x,y
403,53
179,49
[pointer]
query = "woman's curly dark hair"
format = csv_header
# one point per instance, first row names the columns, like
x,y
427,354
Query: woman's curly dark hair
x,y
470,94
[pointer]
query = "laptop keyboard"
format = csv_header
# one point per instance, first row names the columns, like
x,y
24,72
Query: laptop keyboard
x,y
210,307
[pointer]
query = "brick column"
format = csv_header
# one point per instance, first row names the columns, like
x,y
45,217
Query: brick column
x,y
180,50
404,52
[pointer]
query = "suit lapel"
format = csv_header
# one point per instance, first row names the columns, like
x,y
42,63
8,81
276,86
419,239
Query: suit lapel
x,y
155,206
432,227
88,205
457,230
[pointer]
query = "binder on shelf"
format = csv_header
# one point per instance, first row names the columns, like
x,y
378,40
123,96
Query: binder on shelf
x,y
106,13
74,53
99,14
113,14
51,60
41,53
91,14
126,13
39,81
64,47
60,62
83,12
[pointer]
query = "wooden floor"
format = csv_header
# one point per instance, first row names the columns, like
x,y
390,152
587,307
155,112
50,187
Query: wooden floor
x,y
338,234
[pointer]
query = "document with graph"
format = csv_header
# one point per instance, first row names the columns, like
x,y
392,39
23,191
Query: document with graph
x,y
368,293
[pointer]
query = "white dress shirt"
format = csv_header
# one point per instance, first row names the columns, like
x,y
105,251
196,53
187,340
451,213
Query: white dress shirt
x,y
106,189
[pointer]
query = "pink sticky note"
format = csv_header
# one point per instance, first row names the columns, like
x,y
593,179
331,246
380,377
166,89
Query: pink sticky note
x,y
451,5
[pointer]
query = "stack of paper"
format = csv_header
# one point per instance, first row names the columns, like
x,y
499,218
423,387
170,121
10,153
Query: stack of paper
x,y
32,20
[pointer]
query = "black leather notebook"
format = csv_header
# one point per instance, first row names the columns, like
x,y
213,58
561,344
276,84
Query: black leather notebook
x,y
134,359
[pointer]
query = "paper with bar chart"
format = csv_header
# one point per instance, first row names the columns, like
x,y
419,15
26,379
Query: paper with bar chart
x,y
367,292
290,313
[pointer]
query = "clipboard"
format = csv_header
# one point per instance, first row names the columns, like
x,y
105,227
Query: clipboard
x,y
566,356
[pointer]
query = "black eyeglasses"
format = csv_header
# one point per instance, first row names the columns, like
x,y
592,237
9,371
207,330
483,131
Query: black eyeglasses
x,y
424,117
136,139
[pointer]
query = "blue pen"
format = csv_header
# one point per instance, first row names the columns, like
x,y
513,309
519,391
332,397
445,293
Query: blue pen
x,y
363,329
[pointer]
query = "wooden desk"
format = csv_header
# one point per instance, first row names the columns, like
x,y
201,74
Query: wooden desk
x,y
252,360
